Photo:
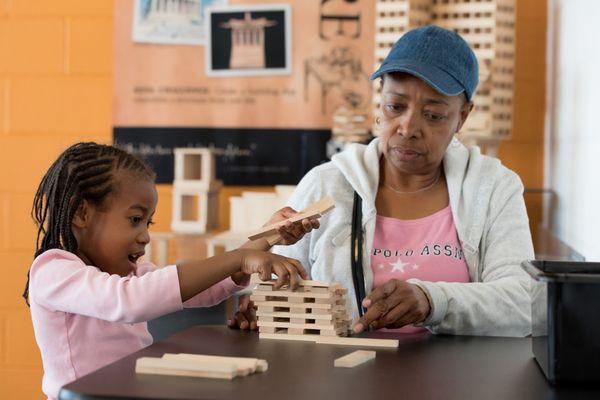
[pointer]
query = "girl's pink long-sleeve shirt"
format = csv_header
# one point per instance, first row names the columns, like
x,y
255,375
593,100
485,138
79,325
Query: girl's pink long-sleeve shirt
x,y
84,318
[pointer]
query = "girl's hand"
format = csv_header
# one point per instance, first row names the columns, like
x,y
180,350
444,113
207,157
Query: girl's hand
x,y
245,316
393,305
292,232
288,270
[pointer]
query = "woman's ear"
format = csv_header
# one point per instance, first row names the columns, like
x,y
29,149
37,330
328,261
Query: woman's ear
x,y
466,108
82,216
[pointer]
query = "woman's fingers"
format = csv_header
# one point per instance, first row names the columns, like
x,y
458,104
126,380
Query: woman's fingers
x,y
243,302
239,321
374,312
299,268
396,317
251,316
283,275
381,292
293,275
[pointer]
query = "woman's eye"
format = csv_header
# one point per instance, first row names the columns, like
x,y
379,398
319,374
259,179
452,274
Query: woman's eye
x,y
394,107
434,117
135,220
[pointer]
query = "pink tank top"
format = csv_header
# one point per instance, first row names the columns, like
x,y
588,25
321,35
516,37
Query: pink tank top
x,y
426,248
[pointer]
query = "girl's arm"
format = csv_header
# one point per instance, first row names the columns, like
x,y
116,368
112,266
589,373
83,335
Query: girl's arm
x,y
197,276
60,281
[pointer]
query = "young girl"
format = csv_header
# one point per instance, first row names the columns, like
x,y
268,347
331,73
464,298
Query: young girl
x,y
90,295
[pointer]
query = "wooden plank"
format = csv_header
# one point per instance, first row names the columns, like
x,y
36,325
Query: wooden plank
x,y
288,325
242,363
315,210
364,342
305,295
286,304
353,359
285,336
304,282
279,314
161,366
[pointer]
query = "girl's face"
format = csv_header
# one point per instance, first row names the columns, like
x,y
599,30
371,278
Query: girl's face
x,y
113,236
417,123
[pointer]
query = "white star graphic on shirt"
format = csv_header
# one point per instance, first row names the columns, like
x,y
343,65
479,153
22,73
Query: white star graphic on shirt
x,y
415,267
398,266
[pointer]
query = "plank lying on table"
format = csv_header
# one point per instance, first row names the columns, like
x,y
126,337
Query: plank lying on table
x,y
244,365
161,366
351,341
355,358
285,336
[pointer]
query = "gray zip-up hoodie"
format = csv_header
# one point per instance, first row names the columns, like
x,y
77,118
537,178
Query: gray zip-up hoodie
x,y
489,212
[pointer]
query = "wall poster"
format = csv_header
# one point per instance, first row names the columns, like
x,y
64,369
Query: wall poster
x,y
257,81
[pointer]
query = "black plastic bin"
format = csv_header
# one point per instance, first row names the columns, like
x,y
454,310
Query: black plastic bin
x,y
566,320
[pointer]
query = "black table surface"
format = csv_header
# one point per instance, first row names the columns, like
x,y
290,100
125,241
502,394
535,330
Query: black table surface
x,y
422,367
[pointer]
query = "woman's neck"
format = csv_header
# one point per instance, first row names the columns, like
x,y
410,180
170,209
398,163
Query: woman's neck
x,y
404,182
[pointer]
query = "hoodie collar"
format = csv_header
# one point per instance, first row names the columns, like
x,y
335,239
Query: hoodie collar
x,y
360,166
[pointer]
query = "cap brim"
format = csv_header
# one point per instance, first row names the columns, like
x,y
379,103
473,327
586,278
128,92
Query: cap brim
x,y
435,77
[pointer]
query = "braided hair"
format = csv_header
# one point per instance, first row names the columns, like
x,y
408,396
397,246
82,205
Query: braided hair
x,y
85,171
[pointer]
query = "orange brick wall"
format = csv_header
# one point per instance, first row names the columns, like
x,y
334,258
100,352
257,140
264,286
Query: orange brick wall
x,y
55,89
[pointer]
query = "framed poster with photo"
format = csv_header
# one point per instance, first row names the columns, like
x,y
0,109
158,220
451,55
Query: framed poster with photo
x,y
171,21
248,40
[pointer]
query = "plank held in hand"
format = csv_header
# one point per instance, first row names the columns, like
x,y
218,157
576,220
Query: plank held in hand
x,y
315,210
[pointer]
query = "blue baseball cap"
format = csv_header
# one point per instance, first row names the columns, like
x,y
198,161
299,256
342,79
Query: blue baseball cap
x,y
436,55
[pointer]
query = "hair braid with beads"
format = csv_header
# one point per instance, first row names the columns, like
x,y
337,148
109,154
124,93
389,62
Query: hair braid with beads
x,y
85,171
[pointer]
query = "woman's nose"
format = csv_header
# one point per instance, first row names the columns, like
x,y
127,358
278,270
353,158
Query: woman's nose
x,y
408,124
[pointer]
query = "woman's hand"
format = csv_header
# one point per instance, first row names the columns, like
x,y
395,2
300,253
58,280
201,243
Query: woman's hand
x,y
288,270
245,316
292,232
393,305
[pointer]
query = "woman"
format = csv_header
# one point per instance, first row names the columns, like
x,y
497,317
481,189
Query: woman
x,y
444,228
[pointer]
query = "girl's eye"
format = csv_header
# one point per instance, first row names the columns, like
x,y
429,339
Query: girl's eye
x,y
150,222
135,220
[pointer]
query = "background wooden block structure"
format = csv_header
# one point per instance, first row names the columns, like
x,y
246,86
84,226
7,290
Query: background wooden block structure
x,y
195,191
489,28
315,308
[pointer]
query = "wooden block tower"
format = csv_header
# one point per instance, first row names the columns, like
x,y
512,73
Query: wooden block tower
x,y
315,308
393,18
489,28
195,191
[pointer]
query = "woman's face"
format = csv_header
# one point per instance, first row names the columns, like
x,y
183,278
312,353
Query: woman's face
x,y
417,123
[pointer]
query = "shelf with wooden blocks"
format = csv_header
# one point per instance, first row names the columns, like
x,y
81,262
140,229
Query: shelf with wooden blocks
x,y
200,366
310,310
194,165
194,211
355,358
315,210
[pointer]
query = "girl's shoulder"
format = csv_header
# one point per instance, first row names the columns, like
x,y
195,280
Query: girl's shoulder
x,y
54,256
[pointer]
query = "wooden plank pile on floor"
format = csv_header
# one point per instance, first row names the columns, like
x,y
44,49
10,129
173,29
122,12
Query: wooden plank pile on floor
x,y
315,308
200,366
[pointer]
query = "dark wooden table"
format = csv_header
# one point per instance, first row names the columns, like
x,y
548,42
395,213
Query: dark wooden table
x,y
423,367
